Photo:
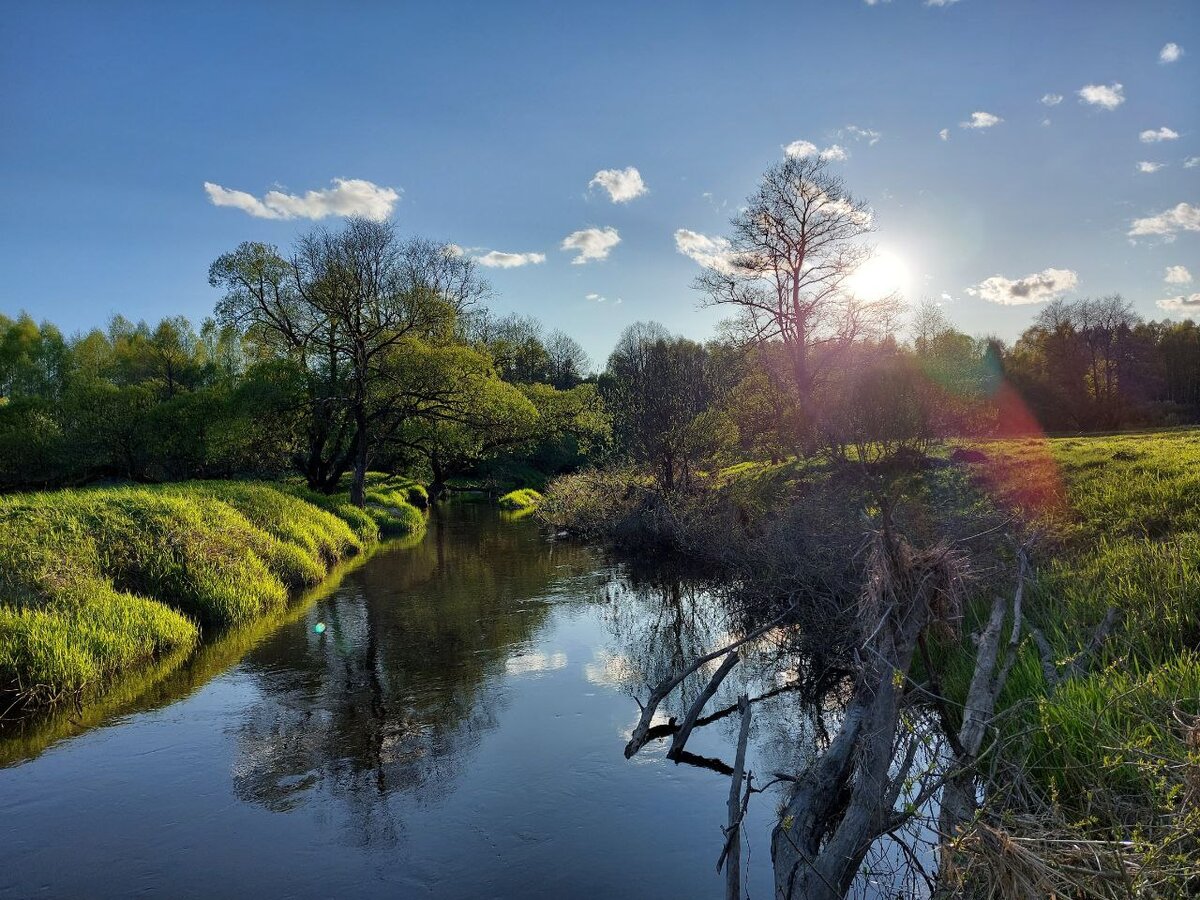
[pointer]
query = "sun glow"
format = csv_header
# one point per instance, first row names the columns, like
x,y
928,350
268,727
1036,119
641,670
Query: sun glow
x,y
883,274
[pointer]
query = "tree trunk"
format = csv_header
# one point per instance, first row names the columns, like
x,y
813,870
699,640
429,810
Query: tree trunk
x,y
358,485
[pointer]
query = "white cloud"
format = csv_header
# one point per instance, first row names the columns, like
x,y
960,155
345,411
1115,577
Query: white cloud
x,y
710,252
595,298
862,134
591,244
1046,121
1181,217
808,148
497,259
800,148
1183,303
1177,275
1051,99
981,120
622,184
944,134
1151,136
1191,162
876,2
347,197
1170,52
1107,96
939,2
1149,167
1039,287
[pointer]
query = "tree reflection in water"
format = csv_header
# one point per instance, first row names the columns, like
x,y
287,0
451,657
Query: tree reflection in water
x,y
407,678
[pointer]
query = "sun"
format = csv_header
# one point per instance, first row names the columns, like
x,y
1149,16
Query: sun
x,y
883,274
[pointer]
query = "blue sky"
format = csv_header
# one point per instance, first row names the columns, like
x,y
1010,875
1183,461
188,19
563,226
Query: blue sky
x,y
490,120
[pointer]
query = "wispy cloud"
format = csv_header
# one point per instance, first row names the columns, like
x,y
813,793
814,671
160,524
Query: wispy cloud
x,y
1149,167
347,197
1181,217
1191,162
1154,136
597,298
497,259
1182,303
622,185
944,134
1177,275
591,244
861,134
981,120
1051,99
940,2
1169,53
807,148
1039,287
1106,96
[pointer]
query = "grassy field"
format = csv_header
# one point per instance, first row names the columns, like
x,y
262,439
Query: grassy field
x,y
98,581
1119,518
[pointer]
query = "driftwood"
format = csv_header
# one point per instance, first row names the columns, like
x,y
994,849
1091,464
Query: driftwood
x,y
659,692
731,854
689,720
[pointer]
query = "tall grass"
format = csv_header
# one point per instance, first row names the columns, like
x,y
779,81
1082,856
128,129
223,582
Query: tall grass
x,y
522,500
96,581
1121,524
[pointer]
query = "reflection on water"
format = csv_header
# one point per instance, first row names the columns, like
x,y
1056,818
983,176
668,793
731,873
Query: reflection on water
x,y
456,731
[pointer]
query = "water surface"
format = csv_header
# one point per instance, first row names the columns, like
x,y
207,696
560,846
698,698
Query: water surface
x,y
456,731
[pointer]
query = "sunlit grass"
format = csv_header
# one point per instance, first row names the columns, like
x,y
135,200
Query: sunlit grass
x,y
97,581
523,500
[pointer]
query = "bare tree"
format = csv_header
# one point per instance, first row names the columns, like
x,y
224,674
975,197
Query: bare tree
x,y
792,250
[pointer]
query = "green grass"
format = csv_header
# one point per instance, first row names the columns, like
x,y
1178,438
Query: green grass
x,y
97,581
1120,523
521,500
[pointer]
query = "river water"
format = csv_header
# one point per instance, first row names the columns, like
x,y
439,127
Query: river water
x,y
455,731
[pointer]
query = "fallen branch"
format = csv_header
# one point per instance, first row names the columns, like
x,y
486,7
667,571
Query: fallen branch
x,y
689,720
660,691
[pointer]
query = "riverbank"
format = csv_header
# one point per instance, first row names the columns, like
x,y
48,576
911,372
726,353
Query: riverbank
x,y
103,581
1097,728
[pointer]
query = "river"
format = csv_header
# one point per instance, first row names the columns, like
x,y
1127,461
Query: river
x,y
456,730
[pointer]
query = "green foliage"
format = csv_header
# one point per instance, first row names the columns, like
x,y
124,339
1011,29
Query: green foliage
x,y
96,581
521,500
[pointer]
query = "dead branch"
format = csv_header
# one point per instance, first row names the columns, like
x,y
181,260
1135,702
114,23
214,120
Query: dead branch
x,y
660,691
689,720
731,854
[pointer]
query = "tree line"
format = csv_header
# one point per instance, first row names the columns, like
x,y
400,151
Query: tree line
x,y
361,348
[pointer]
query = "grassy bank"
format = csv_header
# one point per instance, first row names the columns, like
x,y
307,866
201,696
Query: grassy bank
x,y
1119,518
98,581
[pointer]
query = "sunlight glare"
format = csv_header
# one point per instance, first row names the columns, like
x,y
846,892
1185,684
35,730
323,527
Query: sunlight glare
x,y
883,274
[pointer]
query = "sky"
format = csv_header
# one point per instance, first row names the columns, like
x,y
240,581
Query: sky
x,y
1011,151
